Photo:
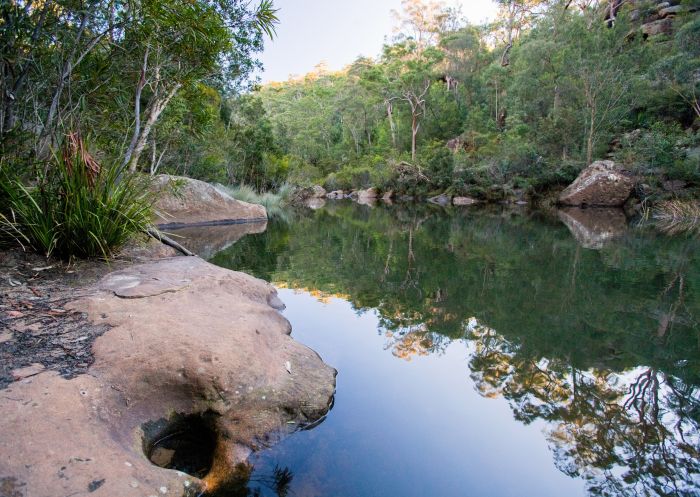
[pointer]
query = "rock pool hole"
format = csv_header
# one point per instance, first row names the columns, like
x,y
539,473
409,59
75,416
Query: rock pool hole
x,y
185,443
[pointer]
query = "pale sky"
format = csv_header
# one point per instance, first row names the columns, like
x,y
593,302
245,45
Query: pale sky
x,y
337,32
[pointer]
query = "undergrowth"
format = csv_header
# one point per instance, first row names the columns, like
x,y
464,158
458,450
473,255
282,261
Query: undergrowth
x,y
274,202
74,207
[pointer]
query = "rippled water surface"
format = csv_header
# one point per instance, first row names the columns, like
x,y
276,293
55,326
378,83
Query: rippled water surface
x,y
487,353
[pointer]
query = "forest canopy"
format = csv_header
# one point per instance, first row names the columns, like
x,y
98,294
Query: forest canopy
x,y
521,103
524,102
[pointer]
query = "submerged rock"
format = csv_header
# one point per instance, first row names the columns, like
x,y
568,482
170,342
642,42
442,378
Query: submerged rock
x,y
186,201
318,191
188,340
602,184
593,228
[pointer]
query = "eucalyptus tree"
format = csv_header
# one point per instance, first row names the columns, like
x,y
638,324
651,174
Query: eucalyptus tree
x,y
411,73
42,45
173,44
73,63
423,21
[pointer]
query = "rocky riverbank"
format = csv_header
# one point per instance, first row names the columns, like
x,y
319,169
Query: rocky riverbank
x,y
184,340
154,375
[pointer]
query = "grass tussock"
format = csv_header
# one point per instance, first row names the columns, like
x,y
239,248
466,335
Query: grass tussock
x,y
274,202
678,216
75,207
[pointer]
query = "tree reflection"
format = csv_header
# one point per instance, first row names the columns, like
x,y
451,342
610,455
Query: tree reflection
x,y
242,484
601,345
631,433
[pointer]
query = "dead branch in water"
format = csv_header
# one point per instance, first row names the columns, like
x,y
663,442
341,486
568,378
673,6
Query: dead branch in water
x,y
158,235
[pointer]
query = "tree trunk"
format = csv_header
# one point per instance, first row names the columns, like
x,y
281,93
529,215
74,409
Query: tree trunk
x,y
153,114
137,110
392,124
592,106
414,132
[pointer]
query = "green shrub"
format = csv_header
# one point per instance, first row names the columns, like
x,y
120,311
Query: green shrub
x,y
76,207
438,163
661,150
364,172
273,202
303,174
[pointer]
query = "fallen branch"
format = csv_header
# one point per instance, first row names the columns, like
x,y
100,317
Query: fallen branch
x,y
154,233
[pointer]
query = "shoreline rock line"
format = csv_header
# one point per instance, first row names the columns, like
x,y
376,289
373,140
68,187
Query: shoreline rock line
x,y
186,339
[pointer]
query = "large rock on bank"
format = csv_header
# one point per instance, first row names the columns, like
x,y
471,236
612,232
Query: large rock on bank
x,y
367,196
460,201
192,347
602,184
186,201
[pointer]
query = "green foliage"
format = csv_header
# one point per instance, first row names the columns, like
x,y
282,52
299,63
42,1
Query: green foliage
x,y
77,208
364,172
438,163
273,202
570,85
661,149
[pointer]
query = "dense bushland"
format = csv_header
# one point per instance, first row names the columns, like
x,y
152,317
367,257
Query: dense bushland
x,y
148,82
523,103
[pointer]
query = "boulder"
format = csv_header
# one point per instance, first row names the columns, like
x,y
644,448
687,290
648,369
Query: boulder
x,y
366,195
191,346
593,228
464,201
186,201
661,26
318,192
675,10
603,184
301,195
440,200
388,195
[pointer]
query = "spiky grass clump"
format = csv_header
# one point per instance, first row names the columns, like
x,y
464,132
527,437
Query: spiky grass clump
x,y
678,216
76,208
273,202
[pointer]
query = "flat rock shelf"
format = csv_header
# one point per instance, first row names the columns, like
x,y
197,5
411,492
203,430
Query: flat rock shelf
x,y
185,340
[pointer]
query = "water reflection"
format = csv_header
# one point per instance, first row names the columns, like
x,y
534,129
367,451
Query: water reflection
x,y
599,345
205,241
593,228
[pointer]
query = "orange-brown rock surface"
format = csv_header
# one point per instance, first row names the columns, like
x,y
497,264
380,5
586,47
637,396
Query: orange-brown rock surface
x,y
186,338
186,201
602,184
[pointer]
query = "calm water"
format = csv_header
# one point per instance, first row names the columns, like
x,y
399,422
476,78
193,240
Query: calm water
x,y
486,353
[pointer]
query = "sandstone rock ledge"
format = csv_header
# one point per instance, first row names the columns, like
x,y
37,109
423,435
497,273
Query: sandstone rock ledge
x,y
187,338
189,202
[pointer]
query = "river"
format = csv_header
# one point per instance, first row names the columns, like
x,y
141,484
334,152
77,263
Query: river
x,y
486,352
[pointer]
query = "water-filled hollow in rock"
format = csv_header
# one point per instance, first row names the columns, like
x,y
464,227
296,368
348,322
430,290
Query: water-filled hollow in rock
x,y
184,442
